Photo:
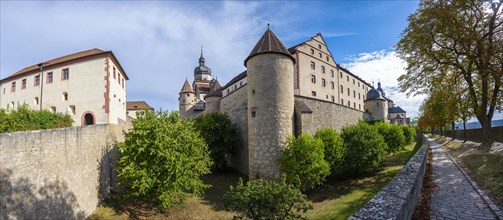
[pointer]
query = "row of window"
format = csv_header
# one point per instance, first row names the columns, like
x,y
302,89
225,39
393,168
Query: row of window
x,y
354,93
332,85
354,81
319,53
70,110
117,76
65,75
313,66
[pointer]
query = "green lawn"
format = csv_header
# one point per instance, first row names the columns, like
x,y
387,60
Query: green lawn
x,y
487,171
338,198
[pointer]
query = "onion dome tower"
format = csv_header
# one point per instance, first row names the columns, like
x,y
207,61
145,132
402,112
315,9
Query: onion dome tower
x,y
202,72
270,104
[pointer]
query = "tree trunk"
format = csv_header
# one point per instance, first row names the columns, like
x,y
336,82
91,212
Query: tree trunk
x,y
487,137
453,129
464,129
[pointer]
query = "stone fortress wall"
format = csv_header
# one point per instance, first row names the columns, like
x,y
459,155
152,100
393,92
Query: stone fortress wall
x,y
236,104
58,173
325,114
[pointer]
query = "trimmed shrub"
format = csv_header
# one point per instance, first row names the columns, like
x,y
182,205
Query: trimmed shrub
x,y
262,199
333,146
409,133
24,119
366,148
162,160
393,136
302,160
220,134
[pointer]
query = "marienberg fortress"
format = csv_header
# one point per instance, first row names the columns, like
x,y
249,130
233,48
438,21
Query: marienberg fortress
x,y
285,92
64,173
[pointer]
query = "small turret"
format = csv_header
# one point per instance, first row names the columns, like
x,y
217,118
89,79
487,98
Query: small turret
x,y
376,105
186,100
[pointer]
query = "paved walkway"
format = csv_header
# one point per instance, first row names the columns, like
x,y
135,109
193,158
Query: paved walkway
x,y
454,197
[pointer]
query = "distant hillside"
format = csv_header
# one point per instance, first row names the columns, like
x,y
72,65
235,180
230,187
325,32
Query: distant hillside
x,y
476,124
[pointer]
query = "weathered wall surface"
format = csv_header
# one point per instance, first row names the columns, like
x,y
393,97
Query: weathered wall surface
x,y
475,135
57,173
325,115
236,104
398,199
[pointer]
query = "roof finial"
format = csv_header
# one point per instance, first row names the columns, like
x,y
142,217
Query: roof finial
x,y
201,51
268,26
201,59
372,83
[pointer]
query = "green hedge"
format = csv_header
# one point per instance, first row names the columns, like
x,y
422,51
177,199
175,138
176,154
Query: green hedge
x,y
25,119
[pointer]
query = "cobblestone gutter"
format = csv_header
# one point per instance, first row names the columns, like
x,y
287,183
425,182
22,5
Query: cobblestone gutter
x,y
398,199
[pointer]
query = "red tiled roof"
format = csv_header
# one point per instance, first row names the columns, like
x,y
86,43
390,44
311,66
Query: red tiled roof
x,y
59,60
137,105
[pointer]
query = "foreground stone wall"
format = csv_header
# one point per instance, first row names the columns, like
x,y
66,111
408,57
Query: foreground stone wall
x,y
235,104
398,199
325,115
57,173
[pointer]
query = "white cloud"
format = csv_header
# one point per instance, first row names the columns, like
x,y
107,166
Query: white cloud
x,y
384,66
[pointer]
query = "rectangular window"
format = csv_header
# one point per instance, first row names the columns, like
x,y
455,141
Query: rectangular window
x,y
313,93
359,106
353,81
119,78
13,87
342,101
354,104
358,84
354,94
349,103
332,73
37,81
323,83
23,84
312,51
123,83
359,96
342,89
349,91
321,56
323,69
65,75
332,85
49,77
347,77
114,73
333,99
328,58
313,78
363,96
313,66
341,74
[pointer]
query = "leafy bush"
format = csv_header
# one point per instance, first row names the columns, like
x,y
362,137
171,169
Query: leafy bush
x,y
262,199
409,133
220,134
162,159
333,146
24,119
365,147
302,159
393,136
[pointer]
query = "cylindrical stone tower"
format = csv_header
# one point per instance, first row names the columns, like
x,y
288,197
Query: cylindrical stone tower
x,y
186,100
270,104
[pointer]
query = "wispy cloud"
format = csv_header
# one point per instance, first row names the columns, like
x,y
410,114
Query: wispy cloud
x,y
342,34
384,66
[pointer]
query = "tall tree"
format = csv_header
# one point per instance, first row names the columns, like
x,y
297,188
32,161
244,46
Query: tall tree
x,y
461,35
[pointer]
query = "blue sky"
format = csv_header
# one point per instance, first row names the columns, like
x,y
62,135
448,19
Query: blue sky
x,y
158,42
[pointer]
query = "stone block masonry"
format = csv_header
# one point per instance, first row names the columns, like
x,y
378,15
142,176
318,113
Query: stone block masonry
x,y
57,173
398,199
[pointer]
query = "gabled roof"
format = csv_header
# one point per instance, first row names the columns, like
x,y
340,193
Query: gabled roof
x,y
269,43
186,87
396,109
138,105
66,59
